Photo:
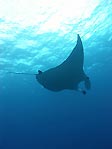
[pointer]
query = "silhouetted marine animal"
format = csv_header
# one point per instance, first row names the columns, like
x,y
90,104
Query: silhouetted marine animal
x,y
67,75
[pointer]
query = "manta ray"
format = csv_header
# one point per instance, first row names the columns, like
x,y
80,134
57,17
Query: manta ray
x,y
68,75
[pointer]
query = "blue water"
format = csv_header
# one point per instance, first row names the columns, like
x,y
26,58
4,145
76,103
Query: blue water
x,y
32,117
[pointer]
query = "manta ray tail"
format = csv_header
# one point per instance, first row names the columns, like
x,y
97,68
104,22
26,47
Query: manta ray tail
x,y
24,73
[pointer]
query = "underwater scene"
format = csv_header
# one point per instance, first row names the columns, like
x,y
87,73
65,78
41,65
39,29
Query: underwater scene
x,y
55,74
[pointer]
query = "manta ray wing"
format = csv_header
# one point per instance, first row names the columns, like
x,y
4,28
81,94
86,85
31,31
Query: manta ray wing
x,y
76,58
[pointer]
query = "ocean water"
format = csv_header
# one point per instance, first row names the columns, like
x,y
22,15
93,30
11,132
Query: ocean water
x,y
40,34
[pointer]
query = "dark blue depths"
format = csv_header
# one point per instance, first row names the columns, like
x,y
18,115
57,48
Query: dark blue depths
x,y
32,117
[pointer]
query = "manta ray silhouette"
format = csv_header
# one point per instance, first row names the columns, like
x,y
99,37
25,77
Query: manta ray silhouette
x,y
68,74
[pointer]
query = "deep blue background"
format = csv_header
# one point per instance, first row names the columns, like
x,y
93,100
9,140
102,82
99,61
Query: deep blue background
x,y
32,117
